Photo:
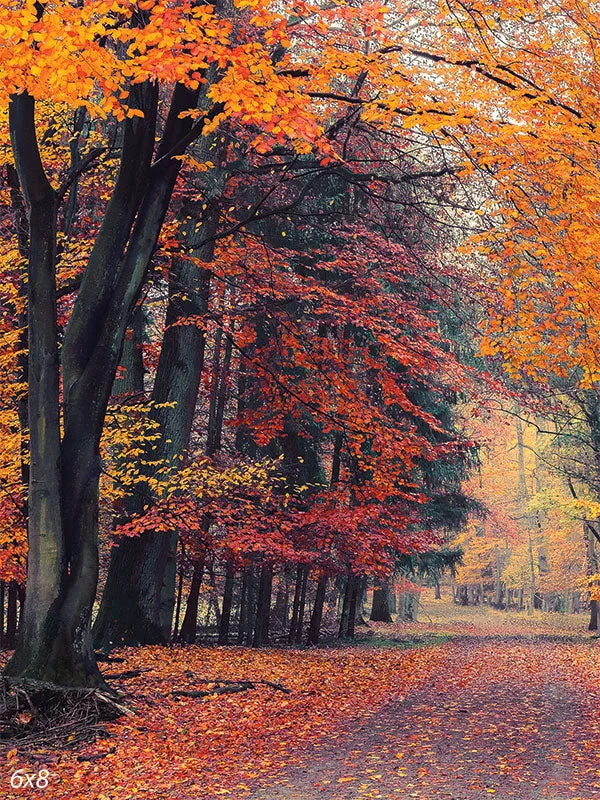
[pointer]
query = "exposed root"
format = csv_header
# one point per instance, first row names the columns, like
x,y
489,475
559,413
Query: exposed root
x,y
123,676
225,686
34,714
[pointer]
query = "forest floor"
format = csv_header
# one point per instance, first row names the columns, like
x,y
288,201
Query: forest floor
x,y
470,703
512,713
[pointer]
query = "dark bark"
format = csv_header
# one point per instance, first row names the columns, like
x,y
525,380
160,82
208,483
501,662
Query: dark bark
x,y
55,643
593,625
314,629
2,612
137,604
189,625
126,286
36,655
353,606
263,606
22,226
300,573
302,606
227,603
380,610
337,458
250,607
215,424
218,396
179,599
11,614
213,600
280,606
348,591
243,611
70,210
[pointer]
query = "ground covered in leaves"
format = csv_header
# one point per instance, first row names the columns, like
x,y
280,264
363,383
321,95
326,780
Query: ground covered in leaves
x,y
511,719
463,706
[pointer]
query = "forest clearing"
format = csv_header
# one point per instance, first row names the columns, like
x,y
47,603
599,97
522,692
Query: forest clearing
x,y
299,399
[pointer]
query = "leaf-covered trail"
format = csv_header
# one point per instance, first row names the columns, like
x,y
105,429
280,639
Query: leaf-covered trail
x,y
509,717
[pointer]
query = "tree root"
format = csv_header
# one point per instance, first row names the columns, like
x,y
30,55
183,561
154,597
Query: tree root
x,y
36,714
128,673
226,686
105,657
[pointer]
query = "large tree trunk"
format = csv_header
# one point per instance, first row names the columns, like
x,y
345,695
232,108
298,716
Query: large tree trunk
x,y
47,558
55,640
380,610
137,603
316,617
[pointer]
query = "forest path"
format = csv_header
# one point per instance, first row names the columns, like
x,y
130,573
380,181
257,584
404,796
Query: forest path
x,y
510,716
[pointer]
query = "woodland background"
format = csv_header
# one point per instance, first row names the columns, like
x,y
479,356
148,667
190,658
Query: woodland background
x,y
299,314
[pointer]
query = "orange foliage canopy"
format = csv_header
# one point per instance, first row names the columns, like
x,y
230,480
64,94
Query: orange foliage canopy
x,y
538,151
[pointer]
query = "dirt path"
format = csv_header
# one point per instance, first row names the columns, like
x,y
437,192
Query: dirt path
x,y
509,717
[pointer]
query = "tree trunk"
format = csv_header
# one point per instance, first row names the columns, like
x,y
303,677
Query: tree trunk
x,y
593,624
138,599
302,606
11,614
380,610
361,597
35,655
353,606
190,620
296,603
348,591
316,617
227,603
280,607
243,616
179,598
263,607
591,569
251,607
2,603
55,641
